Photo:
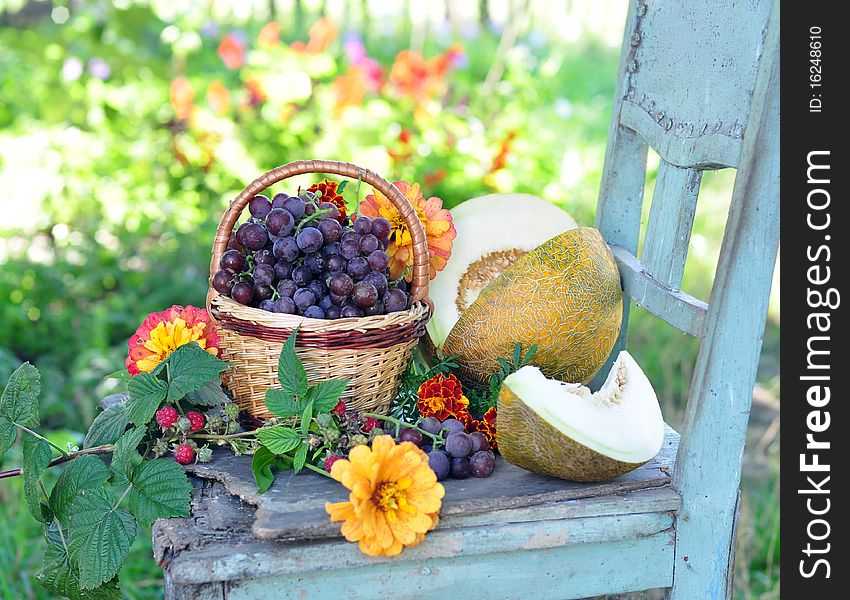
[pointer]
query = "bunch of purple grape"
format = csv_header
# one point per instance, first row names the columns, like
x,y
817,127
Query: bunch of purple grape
x,y
296,255
462,454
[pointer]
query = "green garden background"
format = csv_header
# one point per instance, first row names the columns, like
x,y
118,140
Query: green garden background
x,y
126,127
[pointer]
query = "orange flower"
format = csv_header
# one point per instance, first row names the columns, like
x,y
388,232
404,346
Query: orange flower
x,y
232,51
349,89
485,425
395,497
218,97
329,194
182,96
436,220
322,33
269,35
442,397
421,78
256,93
163,332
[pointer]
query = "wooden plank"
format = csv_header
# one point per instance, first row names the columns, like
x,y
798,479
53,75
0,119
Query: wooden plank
x,y
555,573
708,470
681,310
293,508
671,218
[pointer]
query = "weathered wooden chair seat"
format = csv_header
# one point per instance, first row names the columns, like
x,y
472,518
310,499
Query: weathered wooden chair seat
x,y
565,538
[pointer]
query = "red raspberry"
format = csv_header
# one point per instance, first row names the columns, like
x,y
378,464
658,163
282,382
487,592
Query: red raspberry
x,y
329,462
184,454
196,419
339,409
369,424
166,417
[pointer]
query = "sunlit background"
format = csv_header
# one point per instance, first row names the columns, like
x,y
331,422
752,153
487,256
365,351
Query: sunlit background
x,y
126,127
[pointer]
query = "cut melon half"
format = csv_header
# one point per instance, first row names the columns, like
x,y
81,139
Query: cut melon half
x,y
493,232
563,430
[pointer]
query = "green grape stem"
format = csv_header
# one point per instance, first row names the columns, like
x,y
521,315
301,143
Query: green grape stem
x,y
310,218
435,438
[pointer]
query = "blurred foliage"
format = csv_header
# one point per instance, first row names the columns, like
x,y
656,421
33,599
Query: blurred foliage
x,y
127,126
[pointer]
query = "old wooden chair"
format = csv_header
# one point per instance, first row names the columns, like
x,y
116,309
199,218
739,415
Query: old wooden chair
x,y
698,83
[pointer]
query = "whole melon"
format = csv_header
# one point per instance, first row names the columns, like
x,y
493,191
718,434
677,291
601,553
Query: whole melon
x,y
564,296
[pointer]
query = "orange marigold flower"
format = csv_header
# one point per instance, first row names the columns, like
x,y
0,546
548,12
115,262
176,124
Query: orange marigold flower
x,y
437,221
329,194
218,97
269,35
322,33
163,332
485,425
420,78
442,397
232,51
395,497
182,96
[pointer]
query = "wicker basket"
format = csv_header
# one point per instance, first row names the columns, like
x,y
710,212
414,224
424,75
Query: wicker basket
x,y
372,352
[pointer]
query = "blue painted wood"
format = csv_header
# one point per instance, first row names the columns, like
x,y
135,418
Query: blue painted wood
x,y
671,218
709,464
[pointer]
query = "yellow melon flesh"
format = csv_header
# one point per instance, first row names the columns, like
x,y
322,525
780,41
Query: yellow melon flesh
x,y
562,430
564,296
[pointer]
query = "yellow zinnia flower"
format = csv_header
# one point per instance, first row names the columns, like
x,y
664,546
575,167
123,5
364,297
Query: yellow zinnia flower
x,y
395,497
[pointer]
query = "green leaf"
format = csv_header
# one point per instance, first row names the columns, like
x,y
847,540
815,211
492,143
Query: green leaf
x,y
37,455
290,371
517,354
19,403
99,537
107,427
209,394
82,473
281,403
125,458
325,394
300,458
59,576
146,394
264,464
341,186
190,368
306,417
160,490
279,438
120,374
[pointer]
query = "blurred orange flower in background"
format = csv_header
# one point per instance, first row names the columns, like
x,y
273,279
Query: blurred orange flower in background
x,y
349,90
232,51
421,78
218,97
322,33
182,97
436,220
269,35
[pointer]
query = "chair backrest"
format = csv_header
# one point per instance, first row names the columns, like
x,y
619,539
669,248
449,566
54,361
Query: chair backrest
x,y
699,82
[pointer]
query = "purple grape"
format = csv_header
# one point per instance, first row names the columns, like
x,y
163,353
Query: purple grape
x,y
295,206
325,302
331,230
233,260
483,463
379,280
375,309
395,300
378,261
285,305
253,236
364,294
357,267
440,464
479,441
350,310
259,206
363,225
338,300
461,469
315,262
262,292
332,312
304,297
264,256
234,244
410,435
279,200
340,284
368,244
309,239
348,233
381,228
458,444
267,305
331,249
242,292
280,222
451,426
329,206
431,425
318,288
349,249
282,269
263,274
335,264
223,281
309,208
286,288
426,448
302,275
314,312
286,248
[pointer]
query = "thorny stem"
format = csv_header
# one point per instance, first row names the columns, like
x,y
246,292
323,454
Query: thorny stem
x,y
63,459
227,436
41,437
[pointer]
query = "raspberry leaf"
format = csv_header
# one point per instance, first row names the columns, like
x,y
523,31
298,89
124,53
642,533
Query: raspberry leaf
x,y
306,417
82,473
108,426
160,490
263,465
300,458
125,458
290,371
281,403
279,439
99,537
325,394
146,394
19,403
59,576
209,394
190,368
36,455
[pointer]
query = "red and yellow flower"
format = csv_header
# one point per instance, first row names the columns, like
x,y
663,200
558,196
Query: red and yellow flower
x,y
486,425
329,194
436,220
163,332
442,397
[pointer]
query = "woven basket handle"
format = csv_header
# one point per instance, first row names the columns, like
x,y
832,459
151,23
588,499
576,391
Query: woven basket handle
x,y
421,267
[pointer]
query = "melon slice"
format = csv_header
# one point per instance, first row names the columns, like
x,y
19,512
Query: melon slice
x,y
493,231
563,430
